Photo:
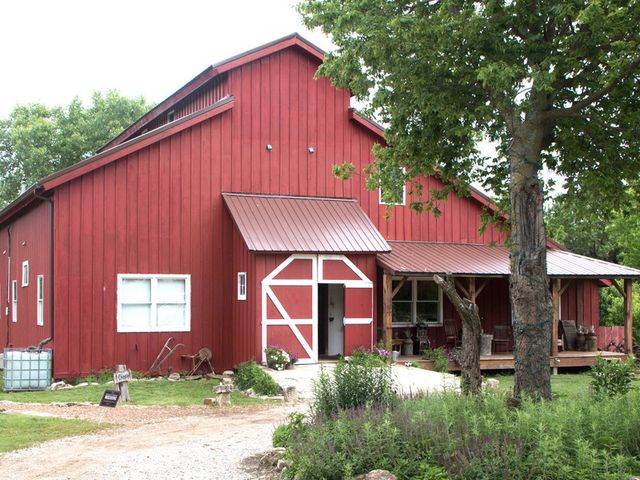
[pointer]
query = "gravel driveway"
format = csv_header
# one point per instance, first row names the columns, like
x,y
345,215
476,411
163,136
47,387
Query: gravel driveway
x,y
185,447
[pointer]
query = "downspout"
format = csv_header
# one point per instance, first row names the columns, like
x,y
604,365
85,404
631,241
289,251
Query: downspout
x,y
49,199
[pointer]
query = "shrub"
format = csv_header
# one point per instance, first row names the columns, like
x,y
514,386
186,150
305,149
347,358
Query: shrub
x,y
377,358
354,384
282,433
440,357
250,375
475,437
610,378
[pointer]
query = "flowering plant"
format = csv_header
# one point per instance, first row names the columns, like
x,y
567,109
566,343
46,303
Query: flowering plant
x,y
385,355
278,358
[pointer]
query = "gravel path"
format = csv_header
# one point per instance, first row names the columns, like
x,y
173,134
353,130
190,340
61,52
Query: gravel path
x,y
188,447
408,381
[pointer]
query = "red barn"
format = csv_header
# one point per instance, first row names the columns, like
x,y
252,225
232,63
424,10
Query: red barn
x,y
215,219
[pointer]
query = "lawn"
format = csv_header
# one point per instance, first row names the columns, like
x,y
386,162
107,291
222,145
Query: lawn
x,y
20,431
562,385
161,392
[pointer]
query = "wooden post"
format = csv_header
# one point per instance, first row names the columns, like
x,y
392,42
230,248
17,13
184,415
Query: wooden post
x,y
121,382
580,302
628,316
472,289
554,331
387,309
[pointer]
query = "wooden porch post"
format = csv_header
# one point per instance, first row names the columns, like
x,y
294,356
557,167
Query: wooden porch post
x,y
472,289
628,316
387,309
554,331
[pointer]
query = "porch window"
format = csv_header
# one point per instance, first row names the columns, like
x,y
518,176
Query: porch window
x,y
154,303
419,301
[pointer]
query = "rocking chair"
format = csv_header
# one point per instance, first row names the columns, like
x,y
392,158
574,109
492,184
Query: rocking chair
x,y
451,332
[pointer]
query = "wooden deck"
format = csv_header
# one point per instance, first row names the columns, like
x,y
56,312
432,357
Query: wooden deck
x,y
505,361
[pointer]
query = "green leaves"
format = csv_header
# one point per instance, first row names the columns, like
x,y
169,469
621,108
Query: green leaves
x,y
37,140
441,75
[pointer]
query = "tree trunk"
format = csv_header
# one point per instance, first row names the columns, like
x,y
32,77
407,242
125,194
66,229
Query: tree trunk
x,y
529,285
471,331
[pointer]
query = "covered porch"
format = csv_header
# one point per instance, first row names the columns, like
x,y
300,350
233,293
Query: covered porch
x,y
481,274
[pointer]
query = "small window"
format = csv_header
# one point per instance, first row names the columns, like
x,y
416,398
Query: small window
x,y
154,303
394,198
25,273
14,301
171,116
40,297
242,285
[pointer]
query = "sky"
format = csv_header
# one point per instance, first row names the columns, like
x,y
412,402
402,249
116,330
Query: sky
x,y
53,51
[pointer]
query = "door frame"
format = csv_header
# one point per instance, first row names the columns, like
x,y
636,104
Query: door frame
x,y
317,276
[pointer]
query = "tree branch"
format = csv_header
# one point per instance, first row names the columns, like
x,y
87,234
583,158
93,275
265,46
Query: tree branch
x,y
575,109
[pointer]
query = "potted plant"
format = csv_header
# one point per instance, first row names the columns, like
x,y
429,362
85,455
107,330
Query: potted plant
x,y
277,357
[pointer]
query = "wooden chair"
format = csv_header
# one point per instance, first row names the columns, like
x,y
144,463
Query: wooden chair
x,y
396,345
502,339
568,332
451,333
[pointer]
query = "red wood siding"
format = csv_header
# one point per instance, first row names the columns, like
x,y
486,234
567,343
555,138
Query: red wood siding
x,y
29,241
206,95
160,210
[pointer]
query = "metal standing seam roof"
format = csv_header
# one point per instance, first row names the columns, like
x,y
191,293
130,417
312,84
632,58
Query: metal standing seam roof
x,y
486,260
276,223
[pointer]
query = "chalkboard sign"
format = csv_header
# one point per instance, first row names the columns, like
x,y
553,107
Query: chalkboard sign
x,y
110,398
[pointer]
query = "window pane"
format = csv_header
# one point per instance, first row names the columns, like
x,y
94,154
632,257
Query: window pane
x,y
135,291
427,290
427,312
402,312
135,316
171,316
170,290
405,291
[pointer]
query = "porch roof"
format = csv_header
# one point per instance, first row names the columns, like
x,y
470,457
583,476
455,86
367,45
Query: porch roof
x,y
491,261
289,224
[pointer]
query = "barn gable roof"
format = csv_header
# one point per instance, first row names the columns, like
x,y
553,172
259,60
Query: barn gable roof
x,y
292,40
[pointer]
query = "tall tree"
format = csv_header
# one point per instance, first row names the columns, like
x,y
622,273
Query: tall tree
x,y
37,140
553,82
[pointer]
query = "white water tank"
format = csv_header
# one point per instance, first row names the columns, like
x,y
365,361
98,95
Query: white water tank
x,y
27,369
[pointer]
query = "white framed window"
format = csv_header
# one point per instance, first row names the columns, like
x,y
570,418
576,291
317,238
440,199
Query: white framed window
x,y
25,273
40,300
394,201
419,301
14,301
242,285
154,303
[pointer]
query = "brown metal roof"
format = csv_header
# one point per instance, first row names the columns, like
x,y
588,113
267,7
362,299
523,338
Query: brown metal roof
x,y
273,223
486,260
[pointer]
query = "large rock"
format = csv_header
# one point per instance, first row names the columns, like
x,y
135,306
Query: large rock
x,y
291,394
271,458
492,384
376,475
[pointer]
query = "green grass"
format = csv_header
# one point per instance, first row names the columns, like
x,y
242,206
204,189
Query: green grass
x,y
161,392
21,431
562,385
